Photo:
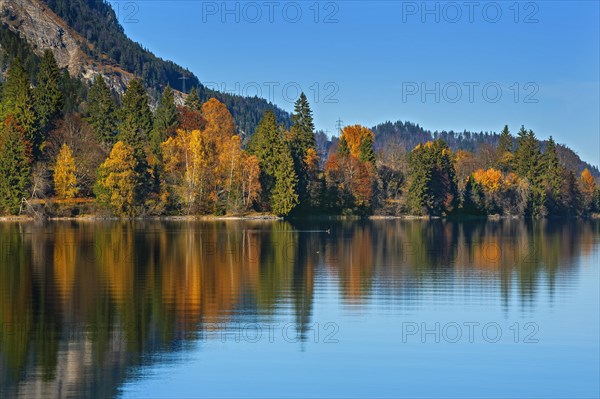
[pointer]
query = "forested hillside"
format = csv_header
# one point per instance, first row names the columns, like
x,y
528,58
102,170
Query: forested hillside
x,y
67,149
410,135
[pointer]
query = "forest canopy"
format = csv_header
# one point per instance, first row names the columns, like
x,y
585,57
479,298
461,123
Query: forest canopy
x,y
68,149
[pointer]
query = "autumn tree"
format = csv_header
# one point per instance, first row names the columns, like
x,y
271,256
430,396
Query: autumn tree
x,y
47,94
205,178
14,166
238,184
88,151
117,180
350,172
433,188
250,180
190,160
359,142
101,111
485,186
588,190
220,125
189,119
229,176
65,181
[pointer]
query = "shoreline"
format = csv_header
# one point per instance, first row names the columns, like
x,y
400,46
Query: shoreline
x,y
98,218
272,218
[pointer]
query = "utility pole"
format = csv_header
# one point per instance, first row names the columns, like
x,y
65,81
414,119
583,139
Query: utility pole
x,y
183,79
338,126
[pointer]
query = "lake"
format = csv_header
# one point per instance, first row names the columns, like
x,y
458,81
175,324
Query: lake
x,y
381,308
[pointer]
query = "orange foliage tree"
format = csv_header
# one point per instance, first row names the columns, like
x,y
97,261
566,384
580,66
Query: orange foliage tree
x,y
588,189
219,122
350,173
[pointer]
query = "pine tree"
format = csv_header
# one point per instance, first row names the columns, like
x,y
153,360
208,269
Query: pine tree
x,y
284,197
48,96
527,155
553,176
302,140
504,150
505,141
263,146
433,189
367,153
343,149
18,102
14,166
101,111
135,117
192,101
65,181
303,128
571,195
278,177
165,120
134,128
528,165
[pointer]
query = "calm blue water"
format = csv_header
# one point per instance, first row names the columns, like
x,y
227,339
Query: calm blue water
x,y
278,309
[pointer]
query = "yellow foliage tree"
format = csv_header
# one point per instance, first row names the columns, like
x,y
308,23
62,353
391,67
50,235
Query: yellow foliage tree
x,y
587,182
65,181
117,180
209,173
588,187
490,179
250,179
190,162
355,137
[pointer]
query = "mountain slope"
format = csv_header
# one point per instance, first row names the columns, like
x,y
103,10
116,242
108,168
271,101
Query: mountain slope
x,y
43,29
96,21
87,39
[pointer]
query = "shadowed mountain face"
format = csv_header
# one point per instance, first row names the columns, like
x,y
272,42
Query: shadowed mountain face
x,y
88,308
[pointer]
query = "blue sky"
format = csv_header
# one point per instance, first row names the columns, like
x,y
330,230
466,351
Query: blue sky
x,y
445,65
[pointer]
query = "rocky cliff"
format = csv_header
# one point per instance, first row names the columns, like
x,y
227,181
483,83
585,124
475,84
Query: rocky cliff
x,y
43,29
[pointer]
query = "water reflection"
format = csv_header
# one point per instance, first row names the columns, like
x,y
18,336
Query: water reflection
x,y
84,306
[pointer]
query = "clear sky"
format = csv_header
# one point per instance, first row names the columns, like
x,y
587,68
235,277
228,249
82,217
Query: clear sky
x,y
445,65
